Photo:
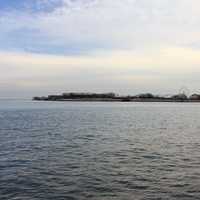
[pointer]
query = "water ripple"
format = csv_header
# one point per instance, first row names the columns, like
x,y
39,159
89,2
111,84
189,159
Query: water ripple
x,y
100,151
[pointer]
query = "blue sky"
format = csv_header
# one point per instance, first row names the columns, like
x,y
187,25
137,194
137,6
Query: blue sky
x,y
125,46
31,5
27,35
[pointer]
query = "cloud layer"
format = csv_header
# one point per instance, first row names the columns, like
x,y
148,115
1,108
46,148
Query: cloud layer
x,y
85,26
125,72
124,46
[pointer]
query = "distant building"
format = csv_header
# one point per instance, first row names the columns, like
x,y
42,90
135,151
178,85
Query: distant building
x,y
195,97
88,95
145,96
180,97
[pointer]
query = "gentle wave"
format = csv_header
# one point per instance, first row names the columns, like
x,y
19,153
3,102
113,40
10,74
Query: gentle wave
x,y
107,151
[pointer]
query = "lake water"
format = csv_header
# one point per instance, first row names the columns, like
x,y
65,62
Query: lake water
x,y
99,151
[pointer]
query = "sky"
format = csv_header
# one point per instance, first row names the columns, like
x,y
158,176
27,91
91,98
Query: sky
x,y
122,46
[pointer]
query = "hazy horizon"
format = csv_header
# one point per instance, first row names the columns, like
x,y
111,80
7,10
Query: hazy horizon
x,y
126,47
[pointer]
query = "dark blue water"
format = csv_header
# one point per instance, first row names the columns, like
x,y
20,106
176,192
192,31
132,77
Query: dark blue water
x,y
99,151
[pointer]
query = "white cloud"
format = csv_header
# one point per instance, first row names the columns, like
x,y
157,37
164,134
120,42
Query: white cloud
x,y
108,24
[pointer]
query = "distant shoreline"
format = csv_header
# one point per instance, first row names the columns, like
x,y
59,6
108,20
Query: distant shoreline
x,y
111,100
112,97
